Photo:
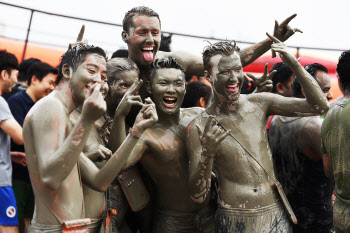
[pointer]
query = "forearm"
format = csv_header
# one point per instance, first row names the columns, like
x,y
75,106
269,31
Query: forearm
x,y
200,182
250,54
101,179
67,155
117,135
313,93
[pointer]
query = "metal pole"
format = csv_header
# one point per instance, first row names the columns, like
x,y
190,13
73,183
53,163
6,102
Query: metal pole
x,y
28,31
298,52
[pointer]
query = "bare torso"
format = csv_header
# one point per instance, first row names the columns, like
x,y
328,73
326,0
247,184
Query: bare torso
x,y
242,183
67,201
166,161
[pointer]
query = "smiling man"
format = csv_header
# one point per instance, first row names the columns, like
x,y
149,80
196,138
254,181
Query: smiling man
x,y
247,198
54,146
162,153
142,34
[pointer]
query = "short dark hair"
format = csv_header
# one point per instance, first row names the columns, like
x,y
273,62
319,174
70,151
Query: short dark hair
x,y
283,74
165,43
120,53
312,70
163,63
194,91
8,61
223,47
117,65
40,70
343,69
75,56
23,69
136,11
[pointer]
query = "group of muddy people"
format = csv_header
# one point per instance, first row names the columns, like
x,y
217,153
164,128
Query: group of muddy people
x,y
108,147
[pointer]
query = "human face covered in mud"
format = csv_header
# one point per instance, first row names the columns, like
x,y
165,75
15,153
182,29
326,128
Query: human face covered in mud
x,y
168,90
143,39
226,76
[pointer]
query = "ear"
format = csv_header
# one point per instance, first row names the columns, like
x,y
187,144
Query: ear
x,y
201,102
125,37
3,75
148,87
279,88
207,77
67,71
33,80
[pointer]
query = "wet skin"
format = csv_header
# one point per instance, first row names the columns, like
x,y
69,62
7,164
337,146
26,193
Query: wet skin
x,y
325,83
242,183
162,150
52,144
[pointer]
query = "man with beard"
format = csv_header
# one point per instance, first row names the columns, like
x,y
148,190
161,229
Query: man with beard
x,y
54,146
142,34
247,198
295,144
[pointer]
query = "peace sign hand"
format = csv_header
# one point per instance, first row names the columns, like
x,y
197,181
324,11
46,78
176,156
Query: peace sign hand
x,y
264,83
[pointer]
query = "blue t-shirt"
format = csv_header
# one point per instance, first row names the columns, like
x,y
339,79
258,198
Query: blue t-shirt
x,y
20,104
5,156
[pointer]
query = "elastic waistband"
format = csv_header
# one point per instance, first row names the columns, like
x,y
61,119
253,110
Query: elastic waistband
x,y
204,210
250,212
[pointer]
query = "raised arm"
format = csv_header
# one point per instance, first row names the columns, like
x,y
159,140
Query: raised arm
x,y
57,154
281,31
315,101
201,148
100,179
118,135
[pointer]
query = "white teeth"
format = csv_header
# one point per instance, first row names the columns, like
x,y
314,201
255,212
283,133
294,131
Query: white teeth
x,y
170,98
232,86
148,48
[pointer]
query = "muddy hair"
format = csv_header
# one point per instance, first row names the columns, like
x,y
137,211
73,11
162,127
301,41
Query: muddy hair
x,y
312,70
118,65
343,69
164,63
75,56
136,11
283,74
223,47
8,61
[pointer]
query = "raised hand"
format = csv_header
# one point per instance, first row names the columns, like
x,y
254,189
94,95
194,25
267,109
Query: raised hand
x,y
94,105
129,99
283,51
283,31
211,137
79,38
99,154
146,117
19,157
264,83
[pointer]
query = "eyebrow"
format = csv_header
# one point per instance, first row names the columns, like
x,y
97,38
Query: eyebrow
x,y
90,64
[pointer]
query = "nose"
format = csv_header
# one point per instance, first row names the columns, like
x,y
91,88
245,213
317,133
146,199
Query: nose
x,y
170,89
149,37
329,95
233,76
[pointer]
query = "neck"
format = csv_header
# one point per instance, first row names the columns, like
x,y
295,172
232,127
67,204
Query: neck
x,y
30,92
169,119
66,96
347,94
223,107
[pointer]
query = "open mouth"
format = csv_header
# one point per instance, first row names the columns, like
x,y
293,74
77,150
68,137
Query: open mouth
x,y
233,88
147,53
170,101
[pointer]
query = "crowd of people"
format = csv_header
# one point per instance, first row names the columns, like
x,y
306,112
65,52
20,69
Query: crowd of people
x,y
168,141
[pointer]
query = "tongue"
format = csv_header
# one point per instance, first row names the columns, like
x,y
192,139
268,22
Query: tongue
x,y
148,55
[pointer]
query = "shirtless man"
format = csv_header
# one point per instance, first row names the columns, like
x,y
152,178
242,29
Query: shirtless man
x,y
295,145
162,153
247,198
142,34
54,146
335,147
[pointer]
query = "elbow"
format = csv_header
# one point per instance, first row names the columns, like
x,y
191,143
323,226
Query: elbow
x,y
49,182
18,140
322,108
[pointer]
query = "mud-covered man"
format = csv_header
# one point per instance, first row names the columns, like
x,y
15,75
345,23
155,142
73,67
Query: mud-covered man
x,y
296,150
247,198
54,146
